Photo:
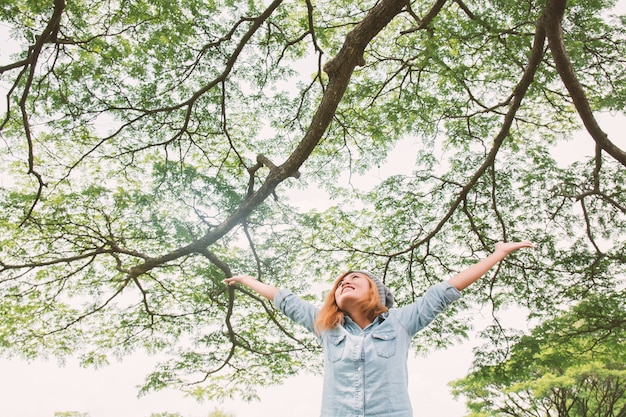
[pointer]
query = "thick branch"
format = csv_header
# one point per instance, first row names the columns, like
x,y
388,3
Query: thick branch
x,y
339,70
552,24
49,33
518,94
430,15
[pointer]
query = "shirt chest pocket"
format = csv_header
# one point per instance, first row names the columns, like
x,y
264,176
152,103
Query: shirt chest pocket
x,y
384,343
336,346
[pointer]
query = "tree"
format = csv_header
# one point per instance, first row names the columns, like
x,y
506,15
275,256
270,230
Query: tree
x,y
220,413
214,413
70,414
141,141
573,365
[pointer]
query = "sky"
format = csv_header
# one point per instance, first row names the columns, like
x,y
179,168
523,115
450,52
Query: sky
x,y
43,387
39,388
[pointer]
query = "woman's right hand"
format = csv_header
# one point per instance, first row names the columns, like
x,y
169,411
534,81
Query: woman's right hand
x,y
267,291
239,279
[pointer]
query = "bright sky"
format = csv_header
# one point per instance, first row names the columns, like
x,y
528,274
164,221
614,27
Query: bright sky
x,y
40,388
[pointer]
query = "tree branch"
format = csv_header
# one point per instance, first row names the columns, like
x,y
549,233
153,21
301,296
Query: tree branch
x,y
340,70
552,23
518,94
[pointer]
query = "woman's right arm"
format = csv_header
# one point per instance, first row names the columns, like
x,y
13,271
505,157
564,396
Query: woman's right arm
x,y
266,290
293,307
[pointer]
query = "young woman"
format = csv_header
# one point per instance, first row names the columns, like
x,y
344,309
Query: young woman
x,y
366,341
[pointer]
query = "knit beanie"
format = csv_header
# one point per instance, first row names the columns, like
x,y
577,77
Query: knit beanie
x,y
386,297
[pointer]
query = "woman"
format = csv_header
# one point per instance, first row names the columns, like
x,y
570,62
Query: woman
x,y
366,341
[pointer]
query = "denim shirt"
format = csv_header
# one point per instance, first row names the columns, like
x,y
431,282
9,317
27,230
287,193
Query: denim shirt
x,y
365,370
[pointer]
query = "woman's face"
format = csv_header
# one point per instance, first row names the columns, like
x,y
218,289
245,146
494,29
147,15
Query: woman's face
x,y
355,286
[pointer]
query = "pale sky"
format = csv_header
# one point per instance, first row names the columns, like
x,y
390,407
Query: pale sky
x,y
40,388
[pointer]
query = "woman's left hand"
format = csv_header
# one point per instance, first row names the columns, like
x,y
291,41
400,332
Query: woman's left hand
x,y
508,247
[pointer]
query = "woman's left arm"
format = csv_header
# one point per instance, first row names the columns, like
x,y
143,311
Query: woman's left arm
x,y
468,276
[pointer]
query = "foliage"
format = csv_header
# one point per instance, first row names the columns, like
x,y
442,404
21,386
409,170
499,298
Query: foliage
x,y
70,414
220,413
215,413
572,365
149,149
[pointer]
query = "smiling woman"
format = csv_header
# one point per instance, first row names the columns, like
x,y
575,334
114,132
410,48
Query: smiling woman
x,y
360,295
365,340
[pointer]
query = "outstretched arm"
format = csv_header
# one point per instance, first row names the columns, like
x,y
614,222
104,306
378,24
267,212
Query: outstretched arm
x,y
468,276
266,290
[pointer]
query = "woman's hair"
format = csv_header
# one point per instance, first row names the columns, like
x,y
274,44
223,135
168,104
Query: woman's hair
x,y
331,316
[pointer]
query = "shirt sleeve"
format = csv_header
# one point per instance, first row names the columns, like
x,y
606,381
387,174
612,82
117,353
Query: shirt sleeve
x,y
418,315
296,309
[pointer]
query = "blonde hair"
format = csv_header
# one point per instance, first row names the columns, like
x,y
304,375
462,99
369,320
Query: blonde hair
x,y
331,316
